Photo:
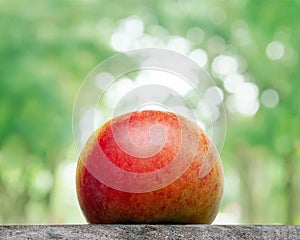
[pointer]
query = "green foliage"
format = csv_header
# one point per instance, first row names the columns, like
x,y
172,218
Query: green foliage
x,y
48,47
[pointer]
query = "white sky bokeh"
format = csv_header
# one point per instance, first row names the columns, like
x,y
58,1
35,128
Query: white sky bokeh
x,y
269,98
275,50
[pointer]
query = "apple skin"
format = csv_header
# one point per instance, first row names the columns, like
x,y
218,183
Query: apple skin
x,y
193,197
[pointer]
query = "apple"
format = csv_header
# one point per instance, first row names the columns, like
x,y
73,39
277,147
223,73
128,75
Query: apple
x,y
149,167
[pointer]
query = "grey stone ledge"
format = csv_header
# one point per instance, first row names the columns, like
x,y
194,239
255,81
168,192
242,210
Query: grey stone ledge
x,y
108,232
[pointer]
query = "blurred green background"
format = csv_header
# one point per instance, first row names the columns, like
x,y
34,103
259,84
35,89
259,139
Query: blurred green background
x,y
250,47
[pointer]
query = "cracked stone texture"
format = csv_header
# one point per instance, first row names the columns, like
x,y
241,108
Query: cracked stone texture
x,y
108,232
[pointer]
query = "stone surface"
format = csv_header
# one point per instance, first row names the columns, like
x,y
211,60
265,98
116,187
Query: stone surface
x,y
107,232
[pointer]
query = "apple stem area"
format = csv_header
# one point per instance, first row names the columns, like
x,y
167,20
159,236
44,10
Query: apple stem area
x,y
106,231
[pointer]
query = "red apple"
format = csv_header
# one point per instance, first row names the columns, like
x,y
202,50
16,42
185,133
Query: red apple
x,y
149,167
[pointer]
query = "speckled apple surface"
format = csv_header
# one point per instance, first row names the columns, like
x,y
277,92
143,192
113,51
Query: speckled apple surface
x,y
193,197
